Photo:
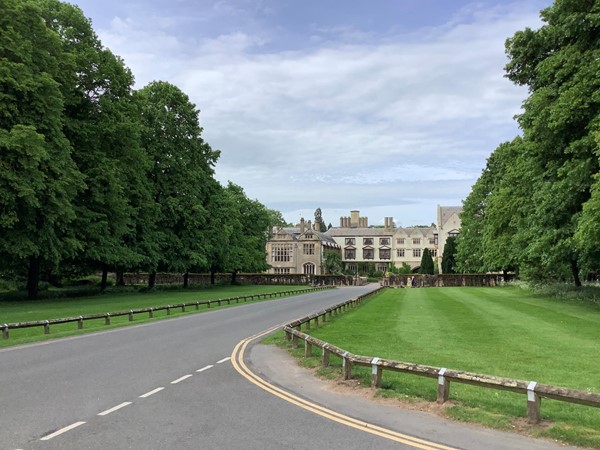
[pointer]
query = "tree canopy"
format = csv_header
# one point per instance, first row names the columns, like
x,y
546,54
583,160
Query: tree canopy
x,y
96,176
535,207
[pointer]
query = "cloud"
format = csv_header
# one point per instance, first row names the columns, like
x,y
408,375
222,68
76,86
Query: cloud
x,y
358,120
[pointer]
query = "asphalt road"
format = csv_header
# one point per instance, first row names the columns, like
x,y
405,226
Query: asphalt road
x,y
163,385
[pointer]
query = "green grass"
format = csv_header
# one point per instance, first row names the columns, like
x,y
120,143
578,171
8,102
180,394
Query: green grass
x,y
506,332
31,310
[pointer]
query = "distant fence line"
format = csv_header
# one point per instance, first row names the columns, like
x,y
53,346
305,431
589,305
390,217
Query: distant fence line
x,y
444,376
242,278
150,311
448,280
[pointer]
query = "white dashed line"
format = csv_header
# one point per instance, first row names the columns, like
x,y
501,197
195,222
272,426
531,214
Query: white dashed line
x,y
204,368
185,377
61,431
224,359
152,392
108,411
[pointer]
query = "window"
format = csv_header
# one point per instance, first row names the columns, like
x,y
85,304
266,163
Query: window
x,y
416,241
350,253
381,267
282,252
352,267
400,253
417,252
368,253
309,249
350,241
281,270
433,252
400,241
385,253
384,241
367,241
435,238
453,233
309,269
432,240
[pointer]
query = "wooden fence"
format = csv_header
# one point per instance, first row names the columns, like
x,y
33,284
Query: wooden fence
x,y
534,391
150,311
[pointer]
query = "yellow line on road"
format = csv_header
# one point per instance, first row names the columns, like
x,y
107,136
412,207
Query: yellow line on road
x,y
237,359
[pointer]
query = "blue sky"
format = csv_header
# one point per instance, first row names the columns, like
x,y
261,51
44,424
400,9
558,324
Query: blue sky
x,y
389,107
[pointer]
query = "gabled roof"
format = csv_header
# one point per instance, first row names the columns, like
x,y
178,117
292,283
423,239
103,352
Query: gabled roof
x,y
447,211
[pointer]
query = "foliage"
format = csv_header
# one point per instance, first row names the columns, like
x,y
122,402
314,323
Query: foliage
x,y
535,207
449,256
333,262
426,263
95,176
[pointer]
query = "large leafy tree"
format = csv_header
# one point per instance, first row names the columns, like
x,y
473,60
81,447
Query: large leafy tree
x,y
38,177
537,216
180,177
102,126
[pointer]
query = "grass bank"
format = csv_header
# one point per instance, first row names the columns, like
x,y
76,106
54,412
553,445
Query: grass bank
x,y
508,332
33,310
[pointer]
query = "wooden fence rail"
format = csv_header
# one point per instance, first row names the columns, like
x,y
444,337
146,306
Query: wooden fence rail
x,y
444,376
6,327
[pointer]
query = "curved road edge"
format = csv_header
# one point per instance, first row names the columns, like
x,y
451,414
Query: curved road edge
x,y
274,371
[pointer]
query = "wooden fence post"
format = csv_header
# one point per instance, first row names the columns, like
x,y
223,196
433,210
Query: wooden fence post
x,y
288,336
130,315
294,341
375,373
151,313
316,321
168,310
46,327
197,306
307,348
534,401
307,324
5,331
443,387
347,366
325,360
80,323
107,319
183,307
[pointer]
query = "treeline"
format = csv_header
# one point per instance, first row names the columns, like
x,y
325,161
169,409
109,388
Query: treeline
x,y
96,176
536,207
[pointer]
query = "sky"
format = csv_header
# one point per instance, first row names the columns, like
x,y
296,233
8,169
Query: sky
x,y
389,107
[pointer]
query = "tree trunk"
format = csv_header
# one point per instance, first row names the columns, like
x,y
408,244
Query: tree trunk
x,y
33,277
104,278
152,280
233,276
212,277
186,280
120,275
575,272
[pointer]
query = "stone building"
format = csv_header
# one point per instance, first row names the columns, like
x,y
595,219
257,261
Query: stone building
x,y
301,249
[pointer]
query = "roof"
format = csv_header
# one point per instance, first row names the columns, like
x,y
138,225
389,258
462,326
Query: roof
x,y
445,212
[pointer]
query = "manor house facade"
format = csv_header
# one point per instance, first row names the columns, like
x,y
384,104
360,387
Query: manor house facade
x,y
302,249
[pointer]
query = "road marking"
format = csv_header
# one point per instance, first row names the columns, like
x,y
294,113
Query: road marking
x,y
223,360
178,380
205,368
115,408
238,363
61,431
152,392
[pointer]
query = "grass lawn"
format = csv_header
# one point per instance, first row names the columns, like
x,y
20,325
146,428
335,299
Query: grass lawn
x,y
497,331
32,310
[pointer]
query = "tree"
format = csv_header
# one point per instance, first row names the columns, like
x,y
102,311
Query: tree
x,y
449,256
38,178
426,263
333,262
559,63
181,177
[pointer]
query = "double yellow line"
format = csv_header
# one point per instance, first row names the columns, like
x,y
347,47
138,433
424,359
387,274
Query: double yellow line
x,y
237,359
